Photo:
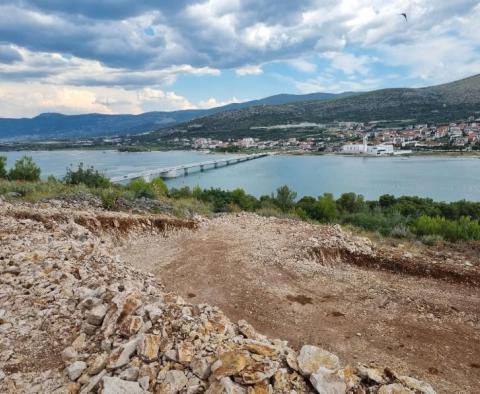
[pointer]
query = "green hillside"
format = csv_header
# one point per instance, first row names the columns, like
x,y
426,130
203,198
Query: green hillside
x,y
441,103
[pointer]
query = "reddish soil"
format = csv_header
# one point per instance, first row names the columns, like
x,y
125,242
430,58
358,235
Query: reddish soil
x,y
412,308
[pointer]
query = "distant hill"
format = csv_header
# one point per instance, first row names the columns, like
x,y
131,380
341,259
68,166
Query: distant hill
x,y
53,125
447,102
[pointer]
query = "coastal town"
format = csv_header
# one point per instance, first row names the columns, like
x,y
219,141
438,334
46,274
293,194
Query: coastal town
x,y
349,138
359,138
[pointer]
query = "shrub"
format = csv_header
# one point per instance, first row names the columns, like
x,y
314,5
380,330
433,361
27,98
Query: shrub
x,y
451,230
109,197
183,192
285,198
325,208
140,188
87,176
3,167
431,239
159,187
351,202
25,170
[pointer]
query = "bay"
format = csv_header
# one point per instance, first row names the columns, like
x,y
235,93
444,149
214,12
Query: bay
x,y
437,177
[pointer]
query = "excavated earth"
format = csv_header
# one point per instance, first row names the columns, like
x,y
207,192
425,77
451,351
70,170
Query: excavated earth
x,y
102,302
413,308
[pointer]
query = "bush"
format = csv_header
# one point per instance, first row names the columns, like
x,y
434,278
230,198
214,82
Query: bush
x,y
159,187
109,197
87,176
285,198
3,167
25,170
141,189
183,192
451,230
351,202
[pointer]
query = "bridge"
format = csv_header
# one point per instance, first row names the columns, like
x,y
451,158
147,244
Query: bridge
x,y
185,169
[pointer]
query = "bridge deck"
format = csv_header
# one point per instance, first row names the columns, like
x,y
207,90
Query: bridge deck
x,y
173,169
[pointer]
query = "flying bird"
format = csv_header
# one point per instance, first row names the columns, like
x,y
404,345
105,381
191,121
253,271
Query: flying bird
x,y
405,16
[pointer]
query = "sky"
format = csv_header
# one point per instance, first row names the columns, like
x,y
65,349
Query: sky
x,y
134,56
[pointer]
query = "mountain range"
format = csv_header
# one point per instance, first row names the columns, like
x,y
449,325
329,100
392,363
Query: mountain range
x,y
55,125
396,106
442,103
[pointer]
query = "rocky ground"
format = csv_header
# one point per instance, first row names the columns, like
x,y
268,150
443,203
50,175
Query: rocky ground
x,y
382,303
74,318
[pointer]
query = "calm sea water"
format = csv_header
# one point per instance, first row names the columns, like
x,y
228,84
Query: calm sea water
x,y
441,178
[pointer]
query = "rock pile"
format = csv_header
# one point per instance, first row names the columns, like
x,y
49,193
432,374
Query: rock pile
x,y
74,319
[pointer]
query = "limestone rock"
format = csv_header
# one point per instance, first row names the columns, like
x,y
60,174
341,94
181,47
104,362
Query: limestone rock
x,y
185,351
416,385
114,385
98,364
260,348
311,358
148,346
395,388
130,326
371,374
173,383
229,364
75,369
327,381
121,355
95,315
201,367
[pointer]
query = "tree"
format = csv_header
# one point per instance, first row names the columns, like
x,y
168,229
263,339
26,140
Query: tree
x,y
87,176
386,200
25,170
285,198
326,208
3,167
351,202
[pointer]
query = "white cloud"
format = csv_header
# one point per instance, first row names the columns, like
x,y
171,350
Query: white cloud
x,y
349,63
17,100
303,65
249,70
67,51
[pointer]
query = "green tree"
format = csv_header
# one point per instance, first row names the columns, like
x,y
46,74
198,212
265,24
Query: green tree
x,y
25,170
326,208
351,202
3,167
285,198
90,177
386,200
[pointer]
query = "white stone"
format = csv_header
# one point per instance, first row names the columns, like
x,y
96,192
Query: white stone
x,y
75,369
114,385
327,381
312,357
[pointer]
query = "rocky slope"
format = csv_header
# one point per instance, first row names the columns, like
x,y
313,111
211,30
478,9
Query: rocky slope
x,y
75,319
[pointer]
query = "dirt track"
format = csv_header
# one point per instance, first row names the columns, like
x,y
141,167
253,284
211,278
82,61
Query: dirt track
x,y
269,272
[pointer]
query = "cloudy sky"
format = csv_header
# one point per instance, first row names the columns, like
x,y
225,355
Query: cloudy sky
x,y
132,56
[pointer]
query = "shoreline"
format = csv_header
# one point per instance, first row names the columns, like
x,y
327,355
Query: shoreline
x,y
255,151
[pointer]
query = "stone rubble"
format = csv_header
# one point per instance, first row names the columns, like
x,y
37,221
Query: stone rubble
x,y
74,319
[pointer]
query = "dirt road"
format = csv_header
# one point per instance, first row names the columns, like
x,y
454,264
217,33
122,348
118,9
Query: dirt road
x,y
297,281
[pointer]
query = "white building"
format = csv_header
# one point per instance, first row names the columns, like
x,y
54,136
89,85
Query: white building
x,y
375,150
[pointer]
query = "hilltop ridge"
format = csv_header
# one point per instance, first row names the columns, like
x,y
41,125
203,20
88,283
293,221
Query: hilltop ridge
x,y
441,103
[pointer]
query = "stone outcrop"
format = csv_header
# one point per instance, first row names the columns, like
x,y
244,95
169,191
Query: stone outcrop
x,y
74,319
